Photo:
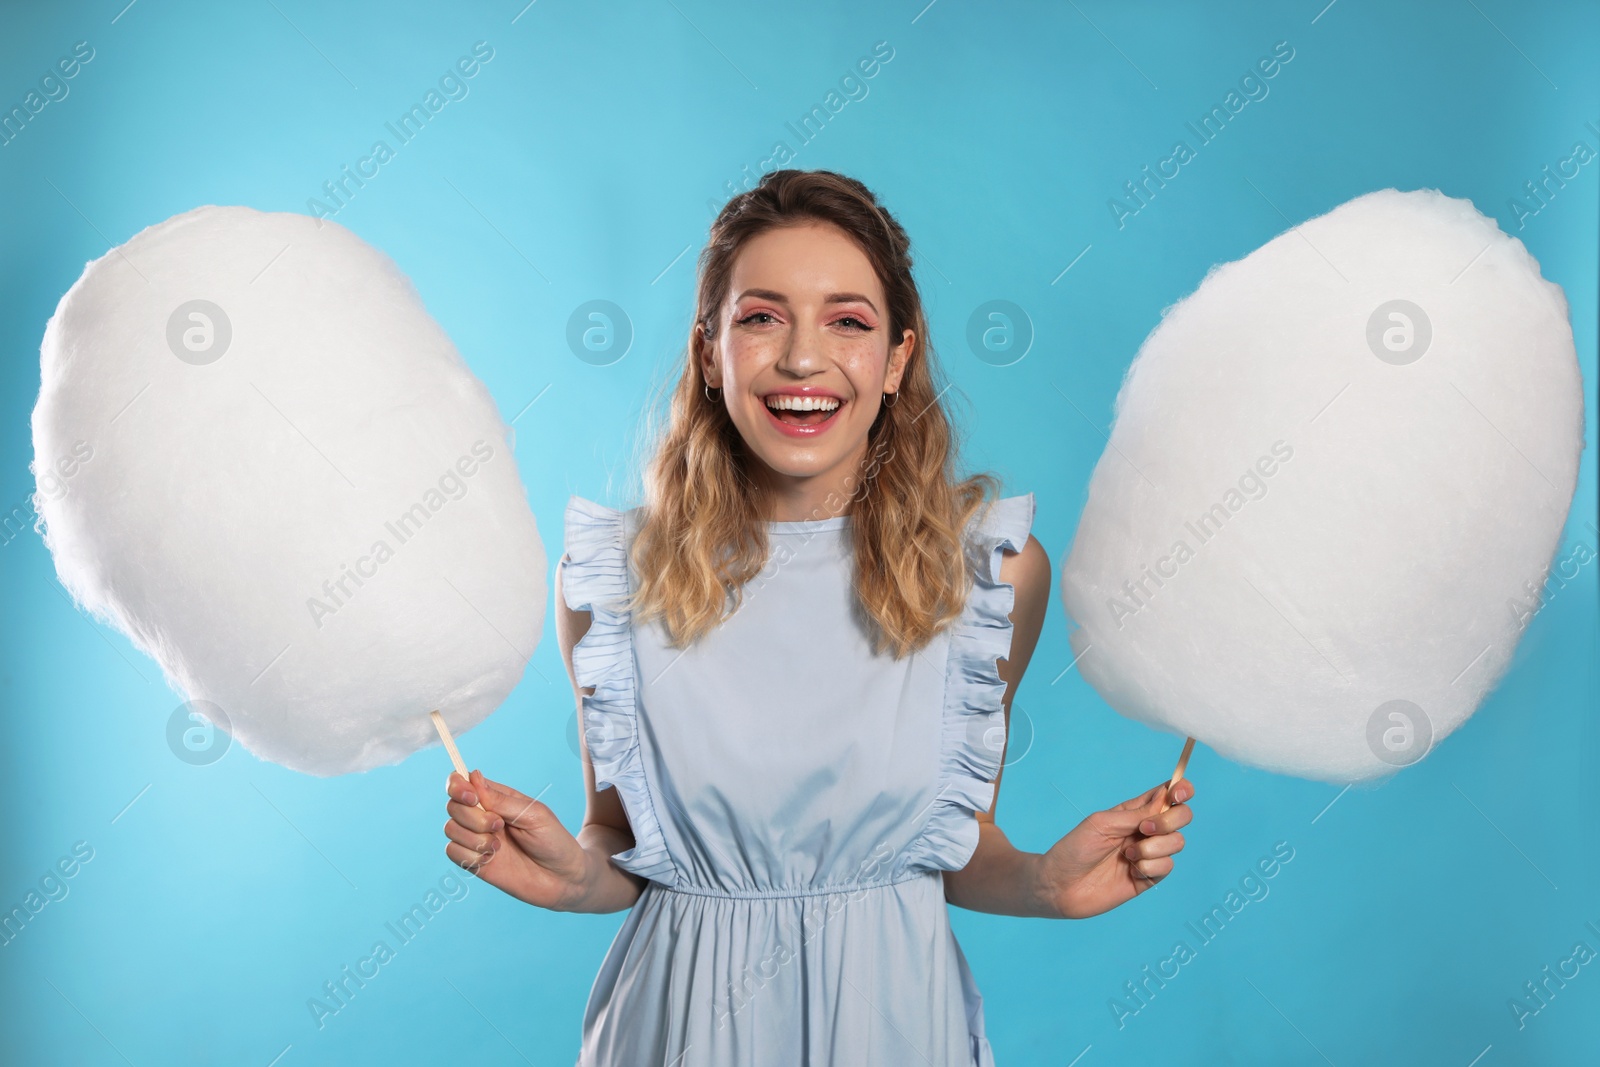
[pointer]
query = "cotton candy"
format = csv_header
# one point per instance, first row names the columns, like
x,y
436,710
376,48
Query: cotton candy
x,y
259,458
1338,474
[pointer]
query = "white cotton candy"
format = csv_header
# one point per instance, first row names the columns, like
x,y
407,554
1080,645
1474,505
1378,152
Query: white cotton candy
x,y
260,458
1322,518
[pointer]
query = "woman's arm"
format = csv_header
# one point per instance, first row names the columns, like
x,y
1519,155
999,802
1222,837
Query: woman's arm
x,y
1106,860
1000,878
518,845
605,830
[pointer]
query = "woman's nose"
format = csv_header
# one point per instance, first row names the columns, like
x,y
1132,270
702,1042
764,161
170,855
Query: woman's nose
x,y
802,351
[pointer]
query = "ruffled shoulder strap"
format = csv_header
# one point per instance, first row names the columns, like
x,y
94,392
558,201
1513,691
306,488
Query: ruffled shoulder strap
x,y
974,725
595,578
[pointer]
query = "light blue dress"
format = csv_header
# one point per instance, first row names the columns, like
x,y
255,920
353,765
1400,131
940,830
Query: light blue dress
x,y
794,799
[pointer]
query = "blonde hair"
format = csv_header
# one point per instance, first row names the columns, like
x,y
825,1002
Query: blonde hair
x,y
703,536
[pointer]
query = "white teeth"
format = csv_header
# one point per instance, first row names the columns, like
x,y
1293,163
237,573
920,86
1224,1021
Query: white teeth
x,y
784,402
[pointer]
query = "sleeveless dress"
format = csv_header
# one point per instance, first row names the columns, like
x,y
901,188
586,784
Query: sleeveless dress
x,y
794,800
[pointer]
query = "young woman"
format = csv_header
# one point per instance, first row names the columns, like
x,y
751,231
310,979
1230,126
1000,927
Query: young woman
x,y
794,666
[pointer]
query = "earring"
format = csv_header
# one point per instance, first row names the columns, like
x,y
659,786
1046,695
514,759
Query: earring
x,y
891,399
706,389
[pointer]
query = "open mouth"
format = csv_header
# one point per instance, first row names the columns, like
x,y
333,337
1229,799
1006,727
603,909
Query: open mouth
x,y
803,411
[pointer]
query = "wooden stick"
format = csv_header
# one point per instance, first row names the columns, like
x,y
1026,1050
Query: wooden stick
x,y
1183,761
455,754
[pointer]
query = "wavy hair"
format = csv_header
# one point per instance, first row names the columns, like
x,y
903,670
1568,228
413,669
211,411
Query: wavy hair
x,y
703,536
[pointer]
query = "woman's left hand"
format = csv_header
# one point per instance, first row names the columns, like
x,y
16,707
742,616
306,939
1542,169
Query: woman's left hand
x,y
1114,855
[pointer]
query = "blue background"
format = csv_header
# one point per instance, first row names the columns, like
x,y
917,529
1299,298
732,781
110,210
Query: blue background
x,y
586,163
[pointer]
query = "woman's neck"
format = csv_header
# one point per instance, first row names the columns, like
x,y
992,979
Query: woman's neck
x,y
825,495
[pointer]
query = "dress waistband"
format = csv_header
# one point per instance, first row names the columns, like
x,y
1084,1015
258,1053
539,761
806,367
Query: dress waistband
x,y
784,893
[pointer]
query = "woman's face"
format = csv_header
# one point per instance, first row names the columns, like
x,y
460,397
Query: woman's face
x,y
805,326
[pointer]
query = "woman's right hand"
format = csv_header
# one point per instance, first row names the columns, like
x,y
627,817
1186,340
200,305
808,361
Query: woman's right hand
x,y
517,845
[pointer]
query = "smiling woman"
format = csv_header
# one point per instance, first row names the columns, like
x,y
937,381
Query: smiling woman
x,y
806,300
788,850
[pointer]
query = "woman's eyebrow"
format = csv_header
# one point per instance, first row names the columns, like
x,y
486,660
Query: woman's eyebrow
x,y
832,298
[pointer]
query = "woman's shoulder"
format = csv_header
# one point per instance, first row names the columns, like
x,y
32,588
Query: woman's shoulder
x,y
593,525
1000,525
594,561
1004,551
990,628
585,512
